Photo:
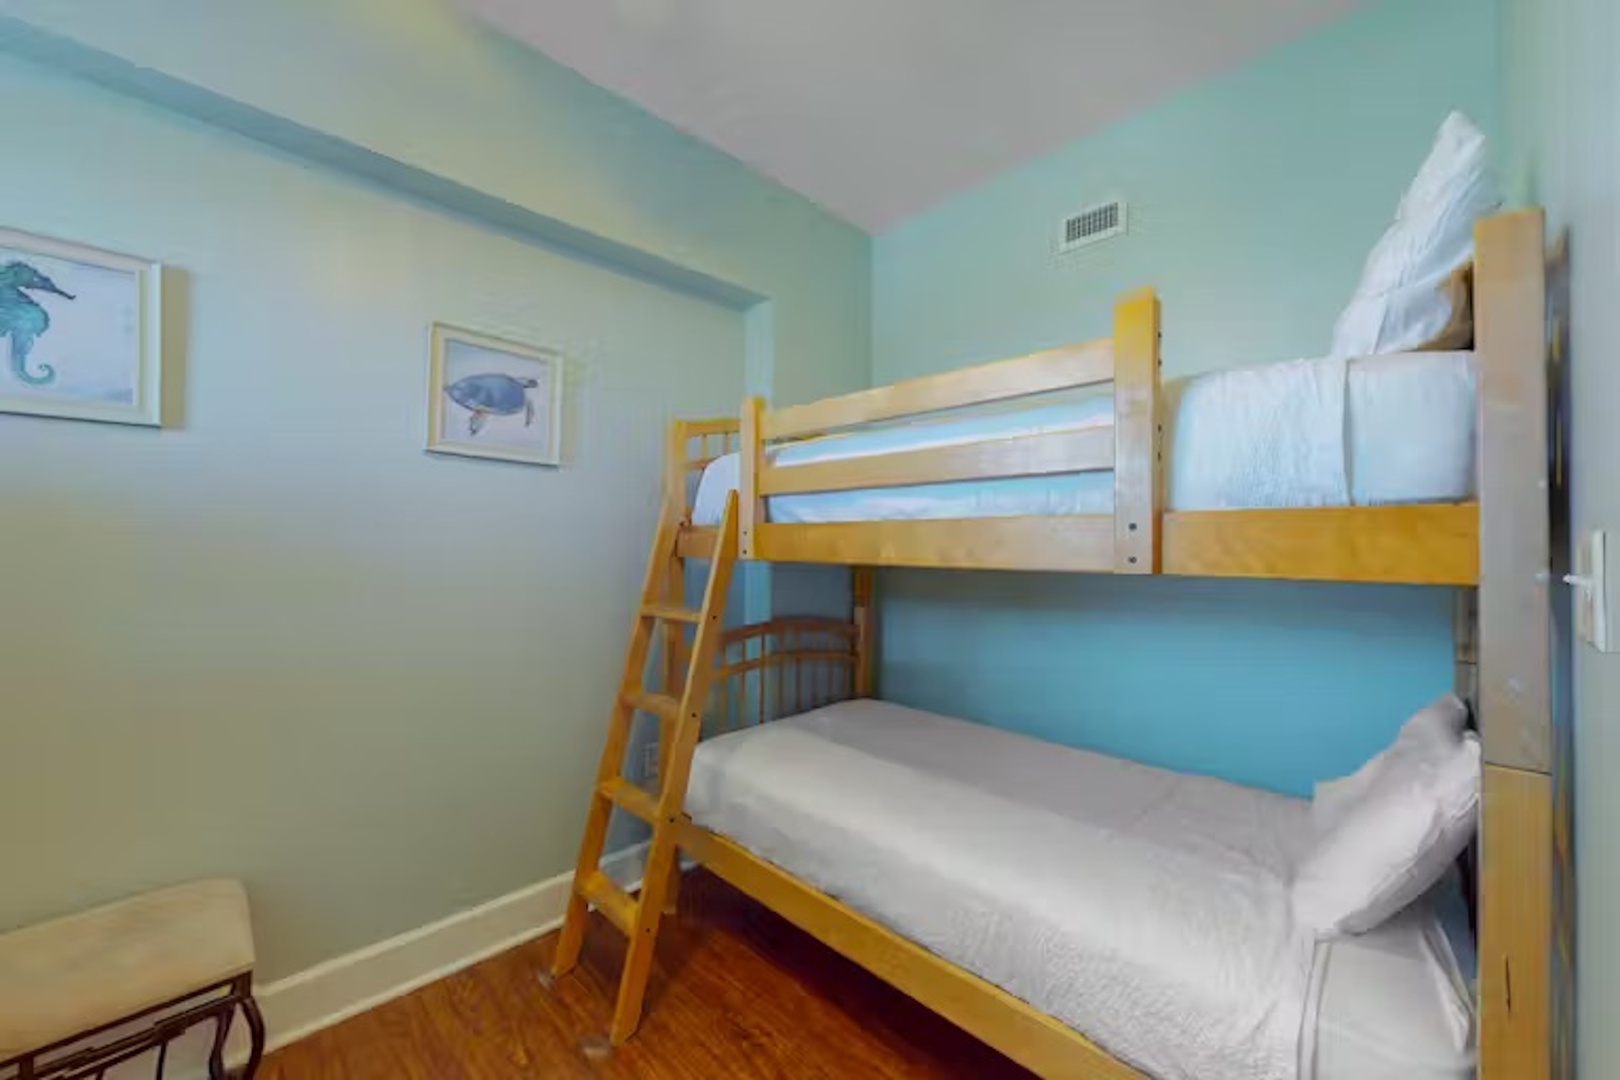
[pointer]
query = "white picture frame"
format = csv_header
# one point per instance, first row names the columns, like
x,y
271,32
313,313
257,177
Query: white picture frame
x,y
81,332
489,397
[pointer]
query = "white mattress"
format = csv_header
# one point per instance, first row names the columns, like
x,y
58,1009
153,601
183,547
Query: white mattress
x,y
1369,431
1146,909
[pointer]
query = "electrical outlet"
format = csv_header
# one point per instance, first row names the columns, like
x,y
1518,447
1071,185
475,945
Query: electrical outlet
x,y
649,764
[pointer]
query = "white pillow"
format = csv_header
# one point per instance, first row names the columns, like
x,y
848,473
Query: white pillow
x,y
1439,723
1395,841
1404,300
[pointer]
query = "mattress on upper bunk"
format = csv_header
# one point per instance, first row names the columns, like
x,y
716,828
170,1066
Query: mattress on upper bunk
x,y
1370,431
1146,909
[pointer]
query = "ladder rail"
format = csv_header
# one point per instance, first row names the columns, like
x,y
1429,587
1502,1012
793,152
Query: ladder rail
x,y
688,671
614,748
661,855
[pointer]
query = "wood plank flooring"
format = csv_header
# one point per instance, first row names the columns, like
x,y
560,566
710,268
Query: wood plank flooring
x,y
737,993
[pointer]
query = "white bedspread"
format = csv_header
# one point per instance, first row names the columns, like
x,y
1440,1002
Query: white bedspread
x,y
1262,436
1146,909
1375,430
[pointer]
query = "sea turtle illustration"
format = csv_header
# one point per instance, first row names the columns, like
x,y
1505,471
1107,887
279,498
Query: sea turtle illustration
x,y
23,320
493,395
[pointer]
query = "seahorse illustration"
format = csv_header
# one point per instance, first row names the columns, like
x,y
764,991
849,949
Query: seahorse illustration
x,y
23,320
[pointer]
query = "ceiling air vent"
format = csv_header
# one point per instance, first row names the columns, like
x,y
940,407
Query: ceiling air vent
x,y
1092,225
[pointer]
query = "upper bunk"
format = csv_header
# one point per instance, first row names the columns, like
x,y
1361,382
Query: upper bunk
x,y
1057,461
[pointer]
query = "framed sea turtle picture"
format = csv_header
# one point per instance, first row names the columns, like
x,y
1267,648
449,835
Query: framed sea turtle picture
x,y
80,332
492,398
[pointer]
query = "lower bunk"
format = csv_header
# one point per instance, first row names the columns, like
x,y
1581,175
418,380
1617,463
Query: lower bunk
x,y
1090,917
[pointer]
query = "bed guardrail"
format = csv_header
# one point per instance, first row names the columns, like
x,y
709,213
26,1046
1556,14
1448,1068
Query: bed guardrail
x,y
1126,541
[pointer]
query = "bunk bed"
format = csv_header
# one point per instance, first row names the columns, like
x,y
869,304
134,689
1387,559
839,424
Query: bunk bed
x,y
796,746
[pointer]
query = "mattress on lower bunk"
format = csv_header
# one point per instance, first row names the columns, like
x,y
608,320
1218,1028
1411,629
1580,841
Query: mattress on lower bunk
x,y
1375,430
1146,909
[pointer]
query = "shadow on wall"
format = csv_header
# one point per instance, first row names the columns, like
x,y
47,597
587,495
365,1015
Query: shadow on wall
x,y
1143,668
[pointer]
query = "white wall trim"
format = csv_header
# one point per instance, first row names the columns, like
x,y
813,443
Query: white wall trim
x,y
345,986
331,992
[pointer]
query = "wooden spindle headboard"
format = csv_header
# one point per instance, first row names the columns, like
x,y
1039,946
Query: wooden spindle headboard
x,y
780,668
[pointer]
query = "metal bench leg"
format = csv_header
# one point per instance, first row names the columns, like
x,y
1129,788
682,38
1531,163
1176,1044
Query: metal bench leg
x,y
255,1023
216,1057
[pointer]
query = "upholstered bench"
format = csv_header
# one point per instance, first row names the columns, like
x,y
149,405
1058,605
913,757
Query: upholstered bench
x,y
80,994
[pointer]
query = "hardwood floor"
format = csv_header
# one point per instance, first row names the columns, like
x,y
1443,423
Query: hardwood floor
x,y
737,993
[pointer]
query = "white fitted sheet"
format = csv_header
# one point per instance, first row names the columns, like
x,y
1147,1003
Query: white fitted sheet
x,y
1369,431
1393,1004
1146,909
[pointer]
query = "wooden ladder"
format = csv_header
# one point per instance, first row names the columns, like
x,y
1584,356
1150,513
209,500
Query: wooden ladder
x,y
679,710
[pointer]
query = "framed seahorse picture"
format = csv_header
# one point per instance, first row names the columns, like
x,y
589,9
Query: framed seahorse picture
x,y
493,398
80,332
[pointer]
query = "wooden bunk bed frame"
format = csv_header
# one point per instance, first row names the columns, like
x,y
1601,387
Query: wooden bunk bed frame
x,y
1495,552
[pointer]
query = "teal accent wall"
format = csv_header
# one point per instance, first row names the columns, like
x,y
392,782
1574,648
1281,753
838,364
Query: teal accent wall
x,y
1267,689
1562,115
275,640
1254,200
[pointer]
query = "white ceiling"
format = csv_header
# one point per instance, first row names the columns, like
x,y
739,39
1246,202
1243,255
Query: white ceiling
x,y
876,109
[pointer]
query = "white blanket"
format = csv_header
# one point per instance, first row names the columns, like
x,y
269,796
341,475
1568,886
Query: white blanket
x,y
1146,909
1264,436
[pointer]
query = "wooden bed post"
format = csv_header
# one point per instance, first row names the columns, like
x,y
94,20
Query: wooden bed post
x,y
676,445
1138,456
751,452
1515,712
675,509
864,586
1465,647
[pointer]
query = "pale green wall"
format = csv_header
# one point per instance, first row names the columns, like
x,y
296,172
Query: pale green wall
x,y
277,640
1254,200
419,84
1563,122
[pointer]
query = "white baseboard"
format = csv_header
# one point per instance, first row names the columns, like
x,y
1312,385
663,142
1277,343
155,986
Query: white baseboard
x,y
348,985
331,992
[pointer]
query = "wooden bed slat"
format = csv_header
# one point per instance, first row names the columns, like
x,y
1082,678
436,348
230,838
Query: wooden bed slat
x,y
698,428
1016,1028
1416,545
784,624
778,660
1082,542
1022,455
1037,373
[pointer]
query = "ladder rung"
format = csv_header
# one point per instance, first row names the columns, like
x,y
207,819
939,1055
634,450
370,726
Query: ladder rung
x,y
672,613
610,900
696,542
660,705
632,797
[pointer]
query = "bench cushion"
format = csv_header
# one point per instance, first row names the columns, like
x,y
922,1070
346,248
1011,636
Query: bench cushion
x,y
73,974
